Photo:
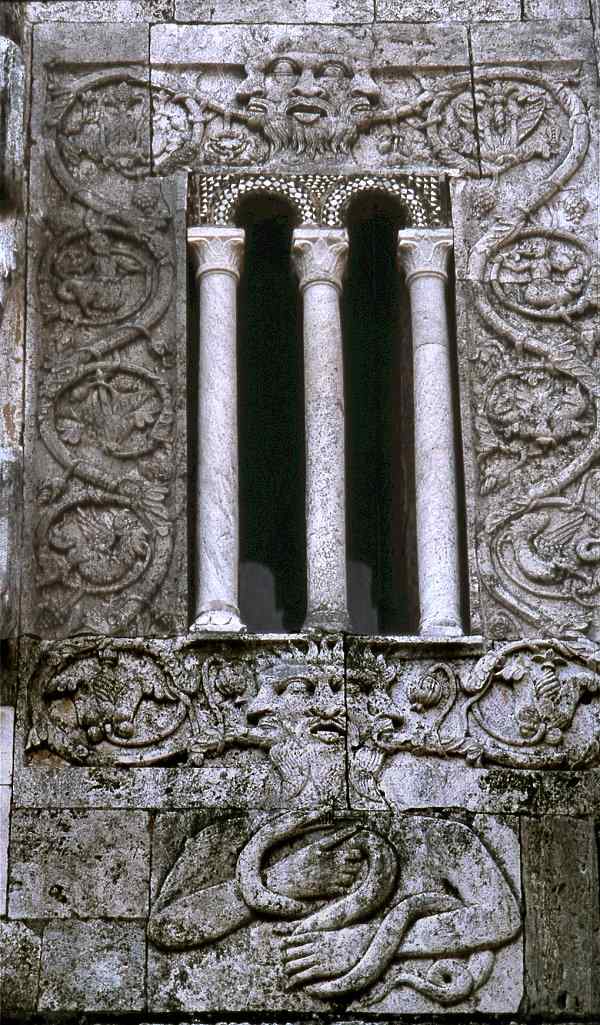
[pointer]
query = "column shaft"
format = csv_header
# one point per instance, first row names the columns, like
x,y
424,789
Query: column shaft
x,y
218,253
319,256
424,257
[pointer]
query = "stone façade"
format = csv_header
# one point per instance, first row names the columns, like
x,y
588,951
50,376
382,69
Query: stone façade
x,y
320,823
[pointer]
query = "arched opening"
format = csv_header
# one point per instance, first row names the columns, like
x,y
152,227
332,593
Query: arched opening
x,y
271,422
382,550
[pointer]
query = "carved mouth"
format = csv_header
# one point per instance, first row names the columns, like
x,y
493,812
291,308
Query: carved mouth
x,y
328,731
255,106
306,113
228,145
361,107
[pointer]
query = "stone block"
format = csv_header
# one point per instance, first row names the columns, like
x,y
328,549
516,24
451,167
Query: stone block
x,y
97,10
447,11
550,9
5,800
86,864
10,536
7,732
286,11
92,966
318,913
20,951
560,883
113,43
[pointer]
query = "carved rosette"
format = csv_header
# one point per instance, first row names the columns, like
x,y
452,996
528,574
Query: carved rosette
x,y
217,250
320,256
425,253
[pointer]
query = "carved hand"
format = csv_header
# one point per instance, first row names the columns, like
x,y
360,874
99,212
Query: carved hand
x,y
324,868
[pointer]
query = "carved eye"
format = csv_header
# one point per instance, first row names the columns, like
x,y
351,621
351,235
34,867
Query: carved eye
x,y
283,69
333,70
297,686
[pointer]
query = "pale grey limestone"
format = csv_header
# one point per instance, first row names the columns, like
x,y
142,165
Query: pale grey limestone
x,y
217,254
423,256
319,260
447,10
5,808
7,732
20,947
79,864
112,11
550,9
288,11
91,966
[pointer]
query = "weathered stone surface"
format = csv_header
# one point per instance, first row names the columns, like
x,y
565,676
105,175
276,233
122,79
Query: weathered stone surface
x,y
377,105
550,9
83,864
327,876
5,803
114,11
92,965
446,10
560,882
107,354
10,538
7,728
286,11
20,947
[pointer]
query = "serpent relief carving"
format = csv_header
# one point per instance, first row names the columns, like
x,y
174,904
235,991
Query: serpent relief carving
x,y
360,911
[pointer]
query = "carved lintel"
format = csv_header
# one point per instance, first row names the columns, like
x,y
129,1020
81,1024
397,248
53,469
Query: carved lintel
x,y
425,253
217,250
320,256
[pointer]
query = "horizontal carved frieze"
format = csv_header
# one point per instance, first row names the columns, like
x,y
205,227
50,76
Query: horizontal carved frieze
x,y
296,713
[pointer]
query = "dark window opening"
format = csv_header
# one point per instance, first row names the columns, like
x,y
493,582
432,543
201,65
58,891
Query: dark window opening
x,y
271,423
382,552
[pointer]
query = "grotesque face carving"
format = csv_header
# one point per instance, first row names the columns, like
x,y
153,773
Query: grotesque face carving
x,y
293,701
312,104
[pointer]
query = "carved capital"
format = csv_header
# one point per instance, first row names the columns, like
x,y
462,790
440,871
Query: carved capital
x,y
320,255
425,252
217,250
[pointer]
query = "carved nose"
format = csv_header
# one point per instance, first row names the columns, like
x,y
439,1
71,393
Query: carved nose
x,y
326,711
307,86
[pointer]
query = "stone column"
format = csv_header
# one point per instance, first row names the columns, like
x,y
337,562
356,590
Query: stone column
x,y
423,254
319,256
218,257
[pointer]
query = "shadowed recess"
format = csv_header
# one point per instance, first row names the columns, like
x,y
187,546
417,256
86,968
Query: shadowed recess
x,y
382,560
271,423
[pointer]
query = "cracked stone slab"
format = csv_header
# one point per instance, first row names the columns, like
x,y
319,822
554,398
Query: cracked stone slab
x,y
85,864
92,965
288,910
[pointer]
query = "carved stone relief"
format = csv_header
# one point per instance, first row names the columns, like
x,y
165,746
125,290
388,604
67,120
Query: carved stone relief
x,y
108,482
528,704
393,913
273,710
533,364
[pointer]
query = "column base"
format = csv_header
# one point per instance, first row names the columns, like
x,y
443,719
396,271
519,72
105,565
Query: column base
x,y
440,628
326,621
224,619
